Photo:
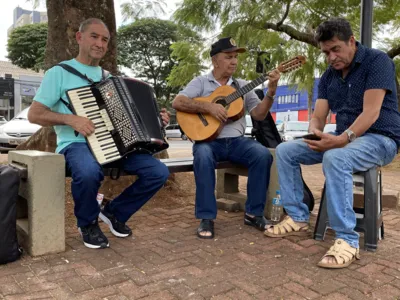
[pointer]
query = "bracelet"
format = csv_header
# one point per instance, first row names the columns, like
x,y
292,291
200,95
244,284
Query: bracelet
x,y
270,97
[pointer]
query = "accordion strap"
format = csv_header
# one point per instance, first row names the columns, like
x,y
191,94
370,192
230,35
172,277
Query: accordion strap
x,y
104,73
67,104
115,173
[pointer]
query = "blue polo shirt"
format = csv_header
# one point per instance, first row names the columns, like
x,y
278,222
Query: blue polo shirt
x,y
370,69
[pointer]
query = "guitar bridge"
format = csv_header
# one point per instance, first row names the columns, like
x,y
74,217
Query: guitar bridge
x,y
203,119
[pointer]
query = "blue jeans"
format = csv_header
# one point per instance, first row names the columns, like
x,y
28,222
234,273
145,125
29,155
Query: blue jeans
x,y
240,150
338,166
87,175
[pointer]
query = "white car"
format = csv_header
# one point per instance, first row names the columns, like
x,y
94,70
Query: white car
x,y
174,131
330,128
293,129
2,120
17,131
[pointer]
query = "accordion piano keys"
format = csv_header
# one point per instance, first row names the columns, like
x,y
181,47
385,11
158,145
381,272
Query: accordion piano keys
x,y
106,120
101,141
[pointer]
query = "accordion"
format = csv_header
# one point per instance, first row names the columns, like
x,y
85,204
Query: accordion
x,y
126,118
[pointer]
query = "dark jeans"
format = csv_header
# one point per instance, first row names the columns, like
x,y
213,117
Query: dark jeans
x,y
87,176
242,150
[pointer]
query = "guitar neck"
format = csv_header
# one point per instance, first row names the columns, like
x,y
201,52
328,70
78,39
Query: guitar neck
x,y
245,89
283,67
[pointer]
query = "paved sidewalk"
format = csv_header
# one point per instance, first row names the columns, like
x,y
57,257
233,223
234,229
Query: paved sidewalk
x,y
165,260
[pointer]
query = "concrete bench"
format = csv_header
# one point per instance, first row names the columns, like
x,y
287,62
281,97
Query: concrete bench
x,y
41,205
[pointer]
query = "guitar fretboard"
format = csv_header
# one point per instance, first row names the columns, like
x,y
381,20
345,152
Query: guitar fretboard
x,y
245,89
283,67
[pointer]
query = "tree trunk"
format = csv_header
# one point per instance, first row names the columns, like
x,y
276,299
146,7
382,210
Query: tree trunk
x,y
309,104
64,17
44,139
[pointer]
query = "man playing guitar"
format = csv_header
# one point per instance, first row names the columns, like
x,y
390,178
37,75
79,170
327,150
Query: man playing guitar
x,y
230,143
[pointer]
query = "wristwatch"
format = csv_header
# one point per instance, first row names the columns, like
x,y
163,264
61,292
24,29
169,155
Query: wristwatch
x,y
351,136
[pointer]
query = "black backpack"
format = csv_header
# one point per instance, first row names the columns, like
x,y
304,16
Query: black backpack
x,y
266,134
9,186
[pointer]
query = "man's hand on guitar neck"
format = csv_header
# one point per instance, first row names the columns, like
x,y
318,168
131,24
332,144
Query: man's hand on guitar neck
x,y
218,112
273,78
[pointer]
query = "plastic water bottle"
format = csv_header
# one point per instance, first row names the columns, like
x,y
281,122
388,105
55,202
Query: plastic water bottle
x,y
278,196
276,210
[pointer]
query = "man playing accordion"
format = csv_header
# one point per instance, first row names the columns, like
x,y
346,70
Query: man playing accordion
x,y
50,108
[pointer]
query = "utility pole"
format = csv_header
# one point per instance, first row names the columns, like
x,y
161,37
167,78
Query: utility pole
x,y
366,22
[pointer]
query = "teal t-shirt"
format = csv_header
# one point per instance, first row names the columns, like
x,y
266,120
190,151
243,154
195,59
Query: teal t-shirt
x,y
55,83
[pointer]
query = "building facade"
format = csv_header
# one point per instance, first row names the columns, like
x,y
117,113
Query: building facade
x,y
292,105
23,17
17,88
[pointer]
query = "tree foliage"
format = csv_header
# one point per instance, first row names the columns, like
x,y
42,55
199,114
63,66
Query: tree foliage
x,y
145,47
187,63
139,9
285,28
26,46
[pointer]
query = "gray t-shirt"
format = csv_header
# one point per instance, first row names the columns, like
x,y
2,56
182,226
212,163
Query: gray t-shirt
x,y
203,86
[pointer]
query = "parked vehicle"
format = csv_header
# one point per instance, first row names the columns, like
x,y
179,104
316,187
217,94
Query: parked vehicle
x,y
279,127
174,131
2,120
17,131
330,128
293,129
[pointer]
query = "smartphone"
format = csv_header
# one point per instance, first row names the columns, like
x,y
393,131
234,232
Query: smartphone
x,y
311,136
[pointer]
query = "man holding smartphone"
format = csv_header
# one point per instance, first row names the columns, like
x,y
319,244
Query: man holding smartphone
x,y
359,86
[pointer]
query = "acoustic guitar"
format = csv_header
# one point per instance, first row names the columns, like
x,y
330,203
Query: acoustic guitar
x,y
204,127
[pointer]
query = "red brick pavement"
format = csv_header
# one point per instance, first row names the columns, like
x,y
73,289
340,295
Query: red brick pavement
x,y
165,260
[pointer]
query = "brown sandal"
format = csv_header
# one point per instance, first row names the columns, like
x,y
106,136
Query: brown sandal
x,y
343,253
286,228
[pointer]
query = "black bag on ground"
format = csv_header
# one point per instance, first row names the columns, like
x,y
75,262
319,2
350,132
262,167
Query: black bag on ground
x,y
266,134
9,186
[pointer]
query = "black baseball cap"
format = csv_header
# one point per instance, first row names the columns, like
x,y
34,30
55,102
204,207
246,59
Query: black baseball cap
x,y
225,45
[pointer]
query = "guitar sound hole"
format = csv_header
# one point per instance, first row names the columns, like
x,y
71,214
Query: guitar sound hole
x,y
221,101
